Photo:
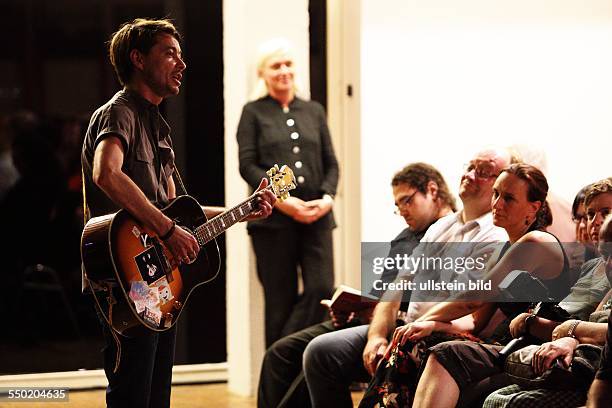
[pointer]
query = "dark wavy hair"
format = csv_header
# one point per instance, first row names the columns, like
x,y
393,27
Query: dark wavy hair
x,y
599,187
140,35
579,199
418,175
537,190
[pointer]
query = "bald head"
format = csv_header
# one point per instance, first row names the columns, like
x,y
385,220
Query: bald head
x,y
477,181
498,155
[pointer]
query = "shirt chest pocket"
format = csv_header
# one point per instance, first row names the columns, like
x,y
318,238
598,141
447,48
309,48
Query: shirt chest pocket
x,y
143,158
142,171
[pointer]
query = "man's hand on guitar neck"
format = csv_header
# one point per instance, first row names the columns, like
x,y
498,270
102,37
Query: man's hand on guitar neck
x,y
265,199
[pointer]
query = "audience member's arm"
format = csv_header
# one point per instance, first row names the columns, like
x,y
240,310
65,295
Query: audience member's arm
x,y
523,255
600,394
585,332
561,350
418,330
537,326
414,331
383,324
604,301
482,316
383,320
449,311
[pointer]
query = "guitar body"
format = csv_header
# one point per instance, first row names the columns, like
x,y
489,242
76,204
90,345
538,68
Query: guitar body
x,y
127,264
117,248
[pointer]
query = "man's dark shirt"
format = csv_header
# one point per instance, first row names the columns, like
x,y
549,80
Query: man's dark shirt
x,y
148,155
402,244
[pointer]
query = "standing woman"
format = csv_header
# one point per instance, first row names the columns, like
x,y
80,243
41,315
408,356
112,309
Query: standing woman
x,y
277,127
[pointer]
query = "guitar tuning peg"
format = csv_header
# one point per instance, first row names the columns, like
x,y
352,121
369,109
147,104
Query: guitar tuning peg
x,y
273,171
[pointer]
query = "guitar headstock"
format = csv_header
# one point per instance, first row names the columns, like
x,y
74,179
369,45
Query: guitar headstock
x,y
281,181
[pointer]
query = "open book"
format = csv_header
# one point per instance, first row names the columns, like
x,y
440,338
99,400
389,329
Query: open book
x,y
347,299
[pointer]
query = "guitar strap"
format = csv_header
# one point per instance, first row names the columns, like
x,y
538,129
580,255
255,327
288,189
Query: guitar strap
x,y
180,180
86,215
111,302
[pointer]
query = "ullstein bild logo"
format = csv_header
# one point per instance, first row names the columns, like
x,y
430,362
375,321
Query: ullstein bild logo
x,y
431,285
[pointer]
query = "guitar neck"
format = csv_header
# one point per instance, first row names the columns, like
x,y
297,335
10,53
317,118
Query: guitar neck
x,y
217,225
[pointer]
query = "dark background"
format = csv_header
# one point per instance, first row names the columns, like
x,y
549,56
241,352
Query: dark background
x,y
54,72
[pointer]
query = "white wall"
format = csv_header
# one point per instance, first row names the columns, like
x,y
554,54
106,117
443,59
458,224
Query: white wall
x,y
442,78
433,81
246,24
343,111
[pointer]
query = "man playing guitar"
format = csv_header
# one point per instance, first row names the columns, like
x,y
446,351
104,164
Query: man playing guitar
x,y
128,163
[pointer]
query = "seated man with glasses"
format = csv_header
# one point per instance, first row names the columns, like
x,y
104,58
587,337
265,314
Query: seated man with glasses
x,y
421,198
333,360
483,169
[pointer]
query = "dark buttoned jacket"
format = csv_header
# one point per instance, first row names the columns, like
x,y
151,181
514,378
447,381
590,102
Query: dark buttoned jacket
x,y
298,137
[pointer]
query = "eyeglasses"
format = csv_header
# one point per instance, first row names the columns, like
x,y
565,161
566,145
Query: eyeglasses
x,y
591,214
482,170
404,202
578,218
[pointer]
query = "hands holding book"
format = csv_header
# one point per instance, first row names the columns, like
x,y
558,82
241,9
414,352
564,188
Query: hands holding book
x,y
342,320
349,306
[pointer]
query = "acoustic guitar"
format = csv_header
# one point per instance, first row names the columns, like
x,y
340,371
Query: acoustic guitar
x,y
121,255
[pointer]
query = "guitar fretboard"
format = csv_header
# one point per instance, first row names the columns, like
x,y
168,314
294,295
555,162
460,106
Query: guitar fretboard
x,y
217,225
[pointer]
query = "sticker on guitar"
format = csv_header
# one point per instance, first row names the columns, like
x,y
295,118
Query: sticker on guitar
x,y
149,265
139,263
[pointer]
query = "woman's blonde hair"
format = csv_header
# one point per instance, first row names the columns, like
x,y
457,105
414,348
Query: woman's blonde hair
x,y
277,47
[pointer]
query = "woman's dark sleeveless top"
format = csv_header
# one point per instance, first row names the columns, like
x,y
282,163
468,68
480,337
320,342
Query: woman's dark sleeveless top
x,y
558,287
